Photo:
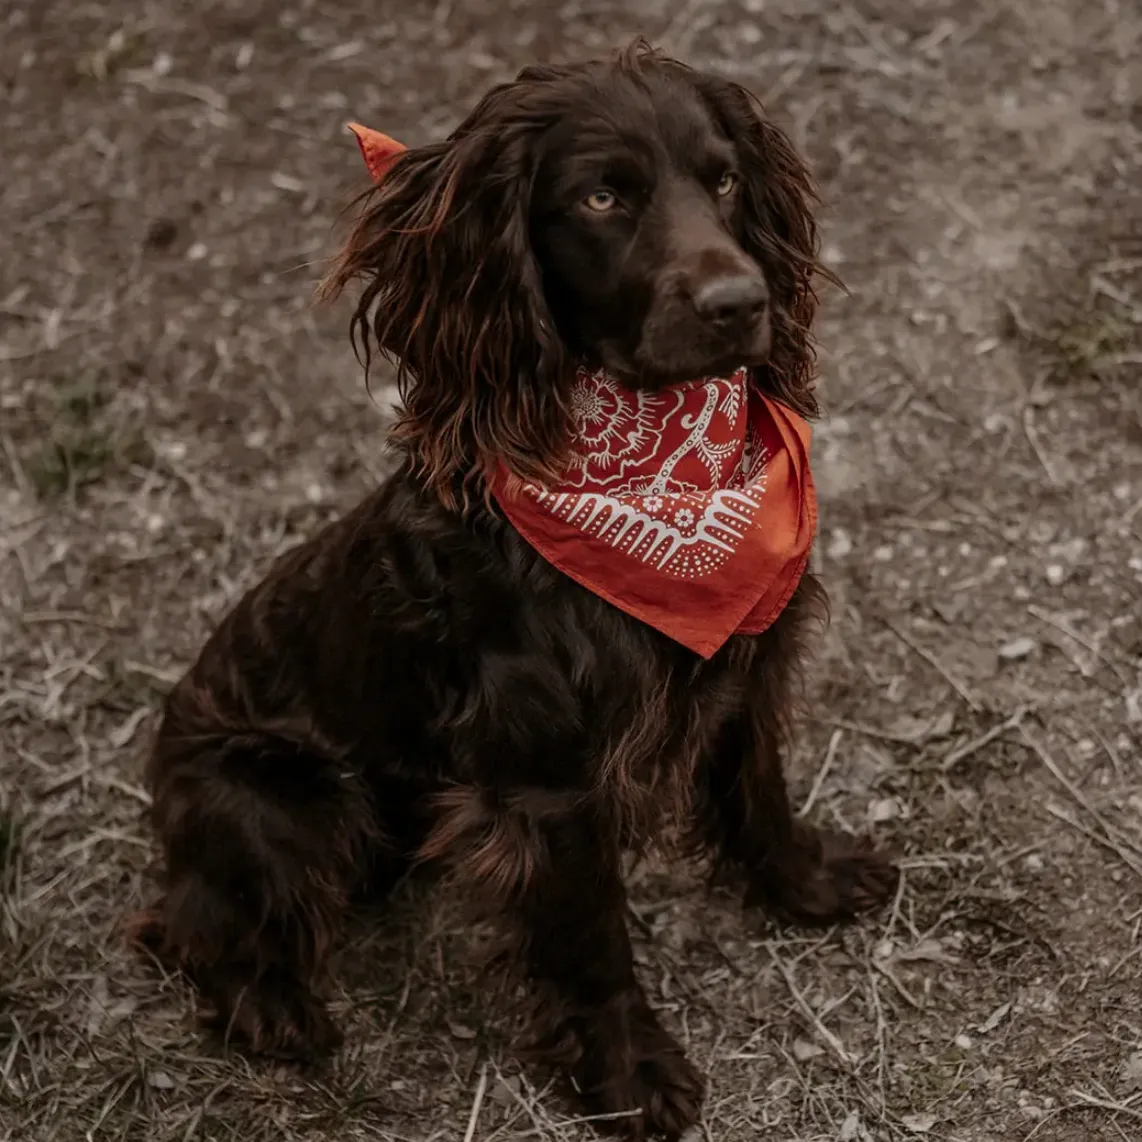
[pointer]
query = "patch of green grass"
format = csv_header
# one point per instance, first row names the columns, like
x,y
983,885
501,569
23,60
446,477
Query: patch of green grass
x,y
1087,343
83,443
1078,343
122,49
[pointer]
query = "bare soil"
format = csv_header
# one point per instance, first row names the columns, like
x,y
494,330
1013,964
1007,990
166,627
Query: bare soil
x,y
174,412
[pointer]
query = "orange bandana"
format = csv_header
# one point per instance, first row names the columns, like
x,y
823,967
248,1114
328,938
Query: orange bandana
x,y
690,508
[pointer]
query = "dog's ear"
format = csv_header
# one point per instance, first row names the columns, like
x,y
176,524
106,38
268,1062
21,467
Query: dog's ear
x,y
779,231
453,295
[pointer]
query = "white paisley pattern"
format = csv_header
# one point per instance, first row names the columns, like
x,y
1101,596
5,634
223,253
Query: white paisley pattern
x,y
672,478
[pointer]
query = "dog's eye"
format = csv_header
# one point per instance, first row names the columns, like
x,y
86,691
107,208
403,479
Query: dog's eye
x,y
600,201
727,184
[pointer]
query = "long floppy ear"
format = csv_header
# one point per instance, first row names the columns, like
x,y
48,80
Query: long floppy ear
x,y
779,232
453,295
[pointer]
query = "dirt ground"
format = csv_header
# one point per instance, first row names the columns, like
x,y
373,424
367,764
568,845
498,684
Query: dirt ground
x,y
174,412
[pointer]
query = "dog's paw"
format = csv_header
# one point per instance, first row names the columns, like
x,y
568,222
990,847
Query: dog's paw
x,y
276,1018
636,1079
826,878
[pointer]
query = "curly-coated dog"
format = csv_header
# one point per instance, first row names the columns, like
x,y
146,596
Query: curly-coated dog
x,y
571,623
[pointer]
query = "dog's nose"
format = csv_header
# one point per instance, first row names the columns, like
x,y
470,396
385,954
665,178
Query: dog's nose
x,y
735,298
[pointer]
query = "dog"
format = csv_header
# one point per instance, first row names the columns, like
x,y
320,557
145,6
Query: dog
x,y
421,684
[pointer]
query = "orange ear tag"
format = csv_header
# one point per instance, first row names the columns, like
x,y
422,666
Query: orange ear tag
x,y
377,149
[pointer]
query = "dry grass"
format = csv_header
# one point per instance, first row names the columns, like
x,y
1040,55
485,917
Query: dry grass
x,y
173,413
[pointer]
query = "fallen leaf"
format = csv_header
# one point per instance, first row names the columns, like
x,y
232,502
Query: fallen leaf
x,y
160,1080
1132,1071
918,1123
850,1128
803,1050
928,949
994,1019
943,725
461,1031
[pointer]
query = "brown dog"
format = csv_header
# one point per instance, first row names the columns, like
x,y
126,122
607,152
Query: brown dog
x,y
419,683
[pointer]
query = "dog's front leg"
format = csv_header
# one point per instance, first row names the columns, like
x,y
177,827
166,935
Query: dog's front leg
x,y
808,874
546,865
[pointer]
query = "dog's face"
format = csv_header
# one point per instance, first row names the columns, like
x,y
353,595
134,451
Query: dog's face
x,y
637,224
628,212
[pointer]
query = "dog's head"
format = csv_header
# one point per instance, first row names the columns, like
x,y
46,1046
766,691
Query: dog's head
x,y
630,213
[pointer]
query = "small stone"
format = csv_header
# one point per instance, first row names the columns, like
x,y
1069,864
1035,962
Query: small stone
x,y
1133,703
160,1080
1034,863
1056,574
964,1042
803,1050
196,252
1017,648
885,809
287,182
461,1031
1072,550
840,544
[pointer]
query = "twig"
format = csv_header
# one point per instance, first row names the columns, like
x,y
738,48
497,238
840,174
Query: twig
x,y
955,756
1105,1104
826,1036
866,731
18,473
1037,448
823,772
881,1039
477,1102
1066,628
893,979
936,665
1078,795
1090,834
684,25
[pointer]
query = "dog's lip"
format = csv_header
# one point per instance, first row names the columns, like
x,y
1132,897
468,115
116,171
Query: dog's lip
x,y
726,367
636,373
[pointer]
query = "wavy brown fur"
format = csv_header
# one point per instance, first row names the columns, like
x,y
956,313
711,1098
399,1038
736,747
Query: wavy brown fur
x,y
416,685
482,373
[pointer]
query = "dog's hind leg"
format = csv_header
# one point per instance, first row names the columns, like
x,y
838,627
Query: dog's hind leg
x,y
264,843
